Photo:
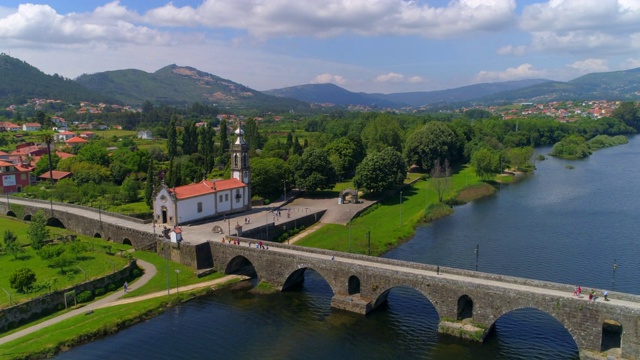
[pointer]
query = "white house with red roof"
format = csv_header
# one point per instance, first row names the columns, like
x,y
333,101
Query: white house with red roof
x,y
207,199
63,136
31,126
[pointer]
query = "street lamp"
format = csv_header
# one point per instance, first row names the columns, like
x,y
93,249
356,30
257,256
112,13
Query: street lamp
x,y
400,207
284,182
177,273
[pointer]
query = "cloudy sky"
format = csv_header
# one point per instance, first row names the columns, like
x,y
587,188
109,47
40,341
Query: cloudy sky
x,y
362,45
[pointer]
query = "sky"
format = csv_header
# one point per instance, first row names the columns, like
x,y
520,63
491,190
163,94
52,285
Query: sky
x,y
373,46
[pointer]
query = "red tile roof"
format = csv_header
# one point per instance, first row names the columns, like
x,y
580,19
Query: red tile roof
x,y
206,187
76,140
64,155
57,175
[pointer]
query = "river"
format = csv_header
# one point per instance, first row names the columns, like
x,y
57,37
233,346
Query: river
x,y
560,224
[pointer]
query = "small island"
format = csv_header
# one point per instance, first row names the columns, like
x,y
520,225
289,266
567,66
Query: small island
x,y
575,147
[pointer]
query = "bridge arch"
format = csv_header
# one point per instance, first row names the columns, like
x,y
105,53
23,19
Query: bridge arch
x,y
97,236
55,222
26,217
465,307
126,241
383,297
11,213
296,278
240,265
528,328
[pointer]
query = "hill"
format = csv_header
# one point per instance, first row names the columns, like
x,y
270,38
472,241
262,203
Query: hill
x,y
330,93
21,81
615,85
182,85
333,94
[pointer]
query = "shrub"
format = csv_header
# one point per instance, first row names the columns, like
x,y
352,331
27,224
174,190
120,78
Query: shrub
x,y
22,279
136,272
84,296
111,287
100,291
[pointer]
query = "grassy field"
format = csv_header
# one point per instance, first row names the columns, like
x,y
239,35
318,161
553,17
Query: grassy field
x,y
187,275
84,328
95,262
390,222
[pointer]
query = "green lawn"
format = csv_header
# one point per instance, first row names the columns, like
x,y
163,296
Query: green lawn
x,y
95,262
187,275
387,223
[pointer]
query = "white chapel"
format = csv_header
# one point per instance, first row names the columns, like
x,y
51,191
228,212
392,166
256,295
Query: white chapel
x,y
207,198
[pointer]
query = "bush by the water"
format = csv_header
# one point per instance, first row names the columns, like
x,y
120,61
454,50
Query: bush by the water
x,y
571,147
603,141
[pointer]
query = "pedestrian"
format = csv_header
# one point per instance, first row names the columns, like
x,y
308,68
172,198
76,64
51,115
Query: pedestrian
x,y
575,291
579,290
438,270
126,285
606,295
593,294
260,243
333,258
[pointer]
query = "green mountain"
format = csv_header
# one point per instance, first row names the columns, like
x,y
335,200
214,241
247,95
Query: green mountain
x,y
616,85
330,93
21,82
333,94
180,85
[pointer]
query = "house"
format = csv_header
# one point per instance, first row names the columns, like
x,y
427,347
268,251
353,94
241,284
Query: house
x,y
9,126
31,127
59,122
63,136
13,178
87,135
208,198
145,135
56,175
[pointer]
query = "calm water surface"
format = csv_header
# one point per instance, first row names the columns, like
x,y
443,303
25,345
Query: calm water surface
x,y
559,225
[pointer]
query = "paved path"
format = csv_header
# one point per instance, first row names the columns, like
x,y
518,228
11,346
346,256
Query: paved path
x,y
149,272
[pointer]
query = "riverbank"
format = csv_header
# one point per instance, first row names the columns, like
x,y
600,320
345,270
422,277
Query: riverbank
x,y
103,321
393,221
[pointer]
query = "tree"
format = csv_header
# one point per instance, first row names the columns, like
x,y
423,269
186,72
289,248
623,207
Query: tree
x,y
434,141
11,245
37,231
95,154
486,162
380,171
224,138
45,163
382,132
172,138
267,175
252,135
150,184
520,158
441,178
313,170
190,138
47,138
130,190
22,279
343,153
629,113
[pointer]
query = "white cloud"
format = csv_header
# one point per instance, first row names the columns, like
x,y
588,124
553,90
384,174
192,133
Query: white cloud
x,y
329,78
292,18
109,23
398,78
574,26
590,65
524,71
511,50
631,63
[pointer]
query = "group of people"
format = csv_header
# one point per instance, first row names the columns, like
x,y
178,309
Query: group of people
x,y
592,294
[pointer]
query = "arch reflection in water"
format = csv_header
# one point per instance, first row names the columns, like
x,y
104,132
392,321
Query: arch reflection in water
x,y
531,334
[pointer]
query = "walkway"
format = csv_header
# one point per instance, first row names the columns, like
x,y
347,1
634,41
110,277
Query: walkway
x,y
149,273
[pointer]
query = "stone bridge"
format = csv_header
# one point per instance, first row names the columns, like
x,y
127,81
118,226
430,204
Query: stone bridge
x,y
361,283
84,220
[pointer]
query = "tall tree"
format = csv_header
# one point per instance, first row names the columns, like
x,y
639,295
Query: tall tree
x,y
148,189
172,138
252,134
313,170
434,141
37,230
380,171
190,138
47,138
224,142
441,178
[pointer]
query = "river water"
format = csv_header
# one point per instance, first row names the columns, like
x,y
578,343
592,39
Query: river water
x,y
560,224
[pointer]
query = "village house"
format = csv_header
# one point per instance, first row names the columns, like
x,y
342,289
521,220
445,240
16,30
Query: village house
x,y
31,127
56,175
63,136
9,126
145,135
13,178
208,198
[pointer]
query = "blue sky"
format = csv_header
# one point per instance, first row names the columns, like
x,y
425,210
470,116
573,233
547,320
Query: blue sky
x,y
362,45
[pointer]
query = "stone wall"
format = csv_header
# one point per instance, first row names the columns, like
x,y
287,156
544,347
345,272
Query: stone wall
x,y
16,315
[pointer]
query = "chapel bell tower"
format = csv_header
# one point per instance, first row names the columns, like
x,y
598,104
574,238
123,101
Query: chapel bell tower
x,y
240,159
